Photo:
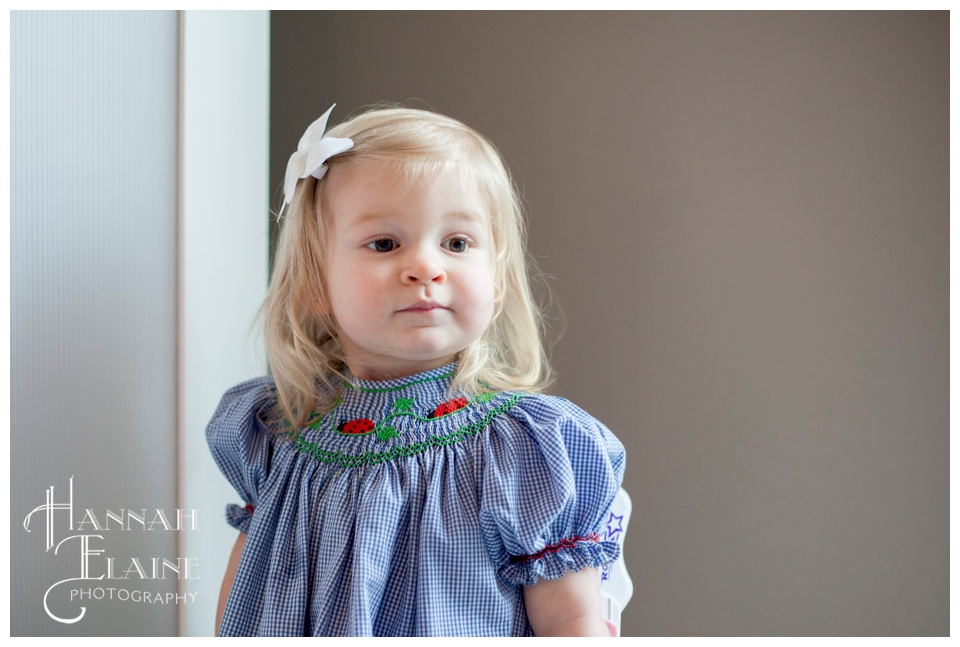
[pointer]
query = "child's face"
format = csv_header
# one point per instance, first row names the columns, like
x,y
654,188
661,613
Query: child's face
x,y
410,271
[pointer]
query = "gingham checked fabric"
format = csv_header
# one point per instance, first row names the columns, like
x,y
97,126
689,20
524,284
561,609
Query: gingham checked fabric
x,y
409,510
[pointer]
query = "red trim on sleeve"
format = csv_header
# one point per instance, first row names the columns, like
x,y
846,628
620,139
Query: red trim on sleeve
x,y
554,548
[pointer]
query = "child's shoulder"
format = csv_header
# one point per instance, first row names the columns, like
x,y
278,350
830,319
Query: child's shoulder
x,y
249,404
555,422
542,409
250,394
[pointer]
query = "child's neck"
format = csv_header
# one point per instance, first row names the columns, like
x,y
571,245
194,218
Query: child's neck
x,y
379,372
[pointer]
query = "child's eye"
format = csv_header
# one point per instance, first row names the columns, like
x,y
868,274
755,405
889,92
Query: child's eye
x,y
457,245
383,245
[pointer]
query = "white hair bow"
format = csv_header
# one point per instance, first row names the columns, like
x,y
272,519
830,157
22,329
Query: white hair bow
x,y
312,153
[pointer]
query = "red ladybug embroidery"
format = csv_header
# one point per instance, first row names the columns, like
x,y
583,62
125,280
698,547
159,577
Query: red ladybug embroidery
x,y
357,427
448,407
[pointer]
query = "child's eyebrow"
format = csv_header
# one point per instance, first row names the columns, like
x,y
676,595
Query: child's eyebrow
x,y
469,216
376,218
371,216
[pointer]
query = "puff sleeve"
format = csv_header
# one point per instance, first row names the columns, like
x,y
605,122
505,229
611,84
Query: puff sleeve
x,y
240,444
550,474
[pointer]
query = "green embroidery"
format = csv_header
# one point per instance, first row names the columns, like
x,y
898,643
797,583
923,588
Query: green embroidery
x,y
402,407
374,458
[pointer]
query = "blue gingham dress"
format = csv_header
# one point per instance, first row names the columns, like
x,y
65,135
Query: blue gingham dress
x,y
409,510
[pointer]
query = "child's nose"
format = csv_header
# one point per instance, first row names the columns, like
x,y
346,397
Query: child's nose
x,y
424,267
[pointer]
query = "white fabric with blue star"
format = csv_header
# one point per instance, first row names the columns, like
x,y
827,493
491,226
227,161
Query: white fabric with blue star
x,y
409,510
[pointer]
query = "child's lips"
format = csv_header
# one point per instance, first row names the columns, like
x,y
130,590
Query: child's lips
x,y
421,307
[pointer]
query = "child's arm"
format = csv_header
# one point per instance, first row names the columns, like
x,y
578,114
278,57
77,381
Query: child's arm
x,y
569,606
228,579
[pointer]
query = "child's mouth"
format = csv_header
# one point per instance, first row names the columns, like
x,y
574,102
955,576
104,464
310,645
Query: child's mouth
x,y
423,306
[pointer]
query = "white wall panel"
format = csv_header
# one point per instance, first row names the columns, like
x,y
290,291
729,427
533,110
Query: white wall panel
x,y
93,346
225,220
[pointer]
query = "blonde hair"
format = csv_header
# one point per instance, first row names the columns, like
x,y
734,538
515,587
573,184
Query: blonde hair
x,y
301,338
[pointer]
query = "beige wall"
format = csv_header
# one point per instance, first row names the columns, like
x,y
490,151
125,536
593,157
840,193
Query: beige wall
x,y
745,216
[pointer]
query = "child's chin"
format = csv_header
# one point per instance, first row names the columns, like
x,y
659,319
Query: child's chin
x,y
429,345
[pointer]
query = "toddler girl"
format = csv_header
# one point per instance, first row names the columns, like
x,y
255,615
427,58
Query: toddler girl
x,y
401,472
